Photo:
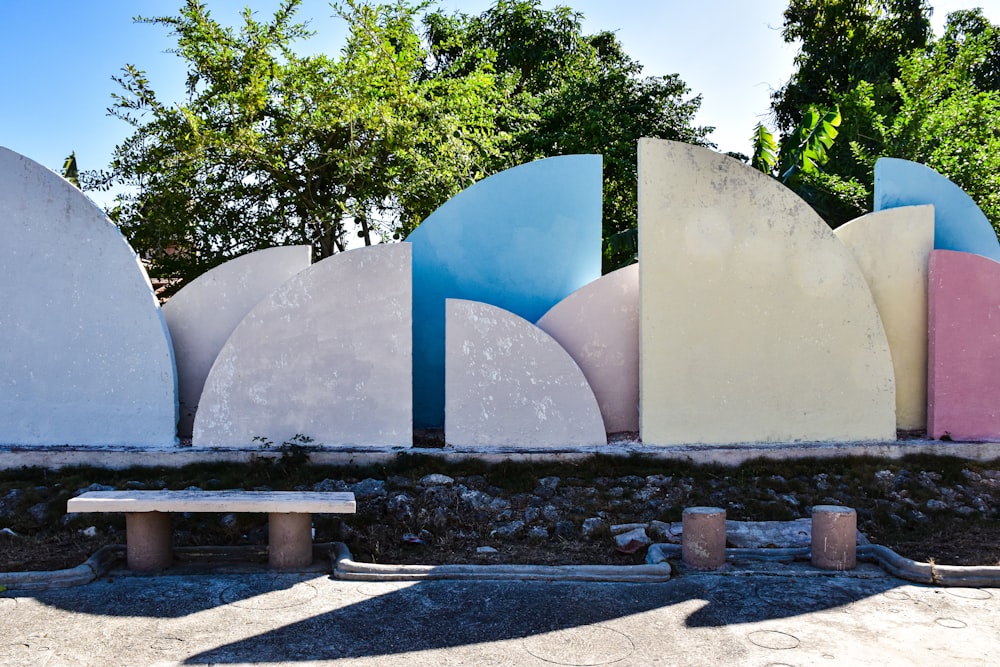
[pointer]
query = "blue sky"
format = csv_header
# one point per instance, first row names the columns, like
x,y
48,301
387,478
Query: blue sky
x,y
59,57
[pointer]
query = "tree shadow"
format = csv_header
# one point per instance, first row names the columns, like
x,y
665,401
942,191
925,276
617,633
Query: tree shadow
x,y
411,617
437,615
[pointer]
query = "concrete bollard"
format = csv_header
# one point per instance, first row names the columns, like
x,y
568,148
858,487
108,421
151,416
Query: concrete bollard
x,y
148,541
834,537
703,540
289,540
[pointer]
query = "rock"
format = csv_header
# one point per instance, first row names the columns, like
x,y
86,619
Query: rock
x,y
439,518
10,501
659,529
508,529
499,505
550,513
934,504
632,481
135,485
617,529
550,482
486,550
400,482
475,482
8,532
228,521
38,512
972,476
330,485
566,530
538,533
632,541
400,506
94,487
435,479
89,532
591,526
476,500
647,493
790,499
531,514
659,480
369,488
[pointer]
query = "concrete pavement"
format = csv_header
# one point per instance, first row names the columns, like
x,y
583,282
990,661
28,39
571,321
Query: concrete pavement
x,y
750,614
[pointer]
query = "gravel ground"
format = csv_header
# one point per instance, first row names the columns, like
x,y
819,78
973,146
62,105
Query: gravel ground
x,y
424,510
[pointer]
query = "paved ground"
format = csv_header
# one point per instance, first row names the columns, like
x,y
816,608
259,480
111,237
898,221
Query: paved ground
x,y
771,615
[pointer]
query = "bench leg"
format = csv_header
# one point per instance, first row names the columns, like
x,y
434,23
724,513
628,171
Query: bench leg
x,y
148,540
289,540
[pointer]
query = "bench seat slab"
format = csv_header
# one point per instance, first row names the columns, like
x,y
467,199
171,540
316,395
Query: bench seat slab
x,y
286,502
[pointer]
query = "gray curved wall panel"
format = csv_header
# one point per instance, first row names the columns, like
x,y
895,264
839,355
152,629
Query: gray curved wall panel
x,y
86,358
203,314
508,383
326,355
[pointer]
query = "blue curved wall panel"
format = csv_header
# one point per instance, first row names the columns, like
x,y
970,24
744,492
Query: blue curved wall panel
x,y
959,224
520,240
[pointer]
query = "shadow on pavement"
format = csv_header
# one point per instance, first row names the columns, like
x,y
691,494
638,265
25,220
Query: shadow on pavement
x,y
435,615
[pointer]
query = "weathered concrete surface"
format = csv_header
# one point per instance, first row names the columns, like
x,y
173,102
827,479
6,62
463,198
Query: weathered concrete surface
x,y
959,224
509,383
520,240
892,248
963,356
118,458
771,615
756,324
86,358
599,326
327,356
203,314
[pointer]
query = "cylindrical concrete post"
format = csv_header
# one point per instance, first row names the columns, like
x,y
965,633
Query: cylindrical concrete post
x,y
703,540
148,541
289,540
834,537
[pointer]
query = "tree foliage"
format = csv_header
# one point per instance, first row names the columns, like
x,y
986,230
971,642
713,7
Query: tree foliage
x,y
570,92
270,147
903,94
949,112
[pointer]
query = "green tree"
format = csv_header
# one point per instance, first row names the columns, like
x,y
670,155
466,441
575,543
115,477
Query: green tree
x,y
949,111
569,92
844,43
270,147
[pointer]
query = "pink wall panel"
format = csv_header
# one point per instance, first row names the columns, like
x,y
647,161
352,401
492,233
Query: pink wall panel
x,y
963,384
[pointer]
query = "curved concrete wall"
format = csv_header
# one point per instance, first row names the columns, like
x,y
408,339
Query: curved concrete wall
x,y
959,224
964,357
86,358
510,384
892,248
756,324
521,240
326,355
599,326
203,314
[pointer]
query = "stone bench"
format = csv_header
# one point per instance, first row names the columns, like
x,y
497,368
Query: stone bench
x,y
147,519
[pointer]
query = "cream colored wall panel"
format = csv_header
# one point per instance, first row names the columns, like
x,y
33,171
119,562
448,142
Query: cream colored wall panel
x,y
756,324
892,248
